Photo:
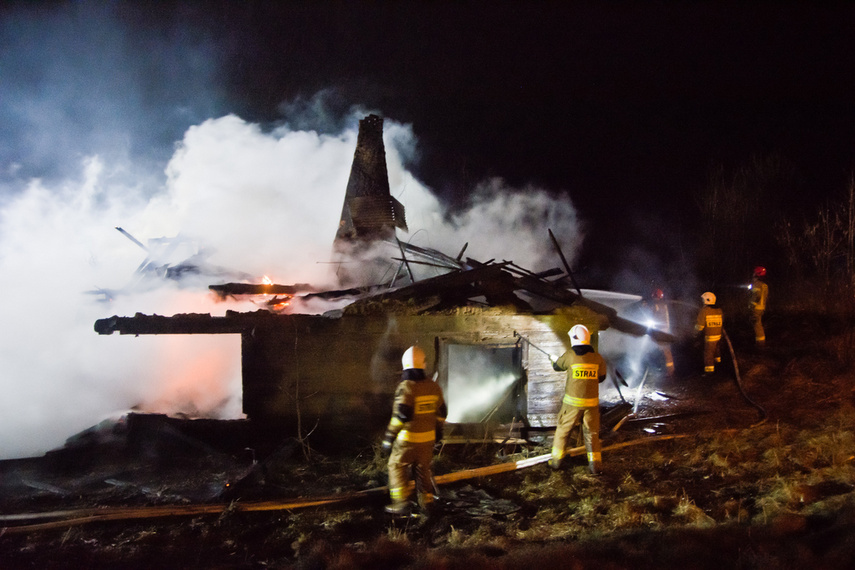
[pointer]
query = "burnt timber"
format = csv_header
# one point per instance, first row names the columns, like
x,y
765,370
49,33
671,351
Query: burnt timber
x,y
338,371
227,289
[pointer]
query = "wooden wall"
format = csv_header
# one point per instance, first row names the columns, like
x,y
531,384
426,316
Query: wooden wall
x,y
338,376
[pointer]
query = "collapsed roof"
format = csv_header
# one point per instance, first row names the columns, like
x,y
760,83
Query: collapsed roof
x,y
466,283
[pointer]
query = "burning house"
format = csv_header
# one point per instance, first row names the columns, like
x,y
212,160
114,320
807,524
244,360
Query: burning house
x,y
487,328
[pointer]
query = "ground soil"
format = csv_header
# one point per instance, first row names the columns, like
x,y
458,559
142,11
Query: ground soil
x,y
759,474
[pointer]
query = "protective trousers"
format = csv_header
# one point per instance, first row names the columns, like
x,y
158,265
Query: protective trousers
x,y
569,417
712,353
759,332
668,355
408,456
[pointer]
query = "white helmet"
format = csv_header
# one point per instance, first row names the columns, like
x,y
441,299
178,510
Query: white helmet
x,y
414,357
579,335
708,298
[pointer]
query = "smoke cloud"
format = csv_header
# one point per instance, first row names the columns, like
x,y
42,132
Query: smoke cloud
x,y
92,145
499,222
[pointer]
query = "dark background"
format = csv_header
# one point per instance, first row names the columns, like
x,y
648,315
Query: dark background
x,y
612,101
627,107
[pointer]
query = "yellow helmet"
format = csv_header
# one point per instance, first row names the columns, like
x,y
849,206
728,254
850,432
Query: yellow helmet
x,y
414,357
708,298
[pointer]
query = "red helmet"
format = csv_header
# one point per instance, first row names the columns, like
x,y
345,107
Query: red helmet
x,y
657,294
759,271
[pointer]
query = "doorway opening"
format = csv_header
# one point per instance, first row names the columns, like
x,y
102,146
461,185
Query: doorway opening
x,y
485,390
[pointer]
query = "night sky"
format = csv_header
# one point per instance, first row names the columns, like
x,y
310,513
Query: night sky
x,y
625,107
610,101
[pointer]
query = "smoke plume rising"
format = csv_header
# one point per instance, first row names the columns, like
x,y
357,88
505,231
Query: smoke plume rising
x,y
96,141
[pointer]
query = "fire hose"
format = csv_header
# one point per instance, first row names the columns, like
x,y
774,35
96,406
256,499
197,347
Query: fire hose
x,y
763,414
74,517
615,378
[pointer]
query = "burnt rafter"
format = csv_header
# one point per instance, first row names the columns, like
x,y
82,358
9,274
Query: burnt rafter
x,y
227,289
495,282
433,255
187,323
553,292
459,284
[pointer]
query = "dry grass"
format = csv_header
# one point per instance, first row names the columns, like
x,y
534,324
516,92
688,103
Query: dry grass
x,y
779,494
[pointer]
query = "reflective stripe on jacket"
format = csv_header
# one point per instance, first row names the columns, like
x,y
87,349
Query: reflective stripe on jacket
x,y
581,402
416,437
425,400
584,374
710,320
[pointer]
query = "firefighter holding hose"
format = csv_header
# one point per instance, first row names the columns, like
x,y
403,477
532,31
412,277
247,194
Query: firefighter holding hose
x,y
710,321
758,294
585,370
418,414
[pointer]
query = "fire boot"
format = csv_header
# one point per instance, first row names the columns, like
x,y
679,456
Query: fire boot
x,y
554,464
595,467
431,509
398,508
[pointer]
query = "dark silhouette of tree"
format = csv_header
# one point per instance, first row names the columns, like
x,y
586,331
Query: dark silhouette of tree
x,y
738,213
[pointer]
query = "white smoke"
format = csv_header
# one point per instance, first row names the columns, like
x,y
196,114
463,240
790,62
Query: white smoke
x,y
500,222
262,202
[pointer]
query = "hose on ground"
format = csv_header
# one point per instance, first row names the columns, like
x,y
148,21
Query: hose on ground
x,y
763,415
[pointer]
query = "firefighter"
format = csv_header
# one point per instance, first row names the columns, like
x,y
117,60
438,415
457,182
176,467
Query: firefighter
x,y
661,320
758,295
710,321
418,414
585,370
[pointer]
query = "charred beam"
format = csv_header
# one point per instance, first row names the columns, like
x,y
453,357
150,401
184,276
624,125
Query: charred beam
x,y
564,261
404,261
560,294
260,289
190,323
434,255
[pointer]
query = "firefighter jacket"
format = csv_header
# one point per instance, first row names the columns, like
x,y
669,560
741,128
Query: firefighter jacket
x,y
584,373
419,410
710,320
759,295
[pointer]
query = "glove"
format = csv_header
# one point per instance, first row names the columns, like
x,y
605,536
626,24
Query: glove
x,y
553,359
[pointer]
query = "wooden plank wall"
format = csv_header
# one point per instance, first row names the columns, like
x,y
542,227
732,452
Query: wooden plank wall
x,y
339,375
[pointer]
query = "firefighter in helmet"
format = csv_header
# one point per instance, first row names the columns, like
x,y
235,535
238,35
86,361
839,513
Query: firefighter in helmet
x,y
710,321
585,370
758,295
418,414
660,317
